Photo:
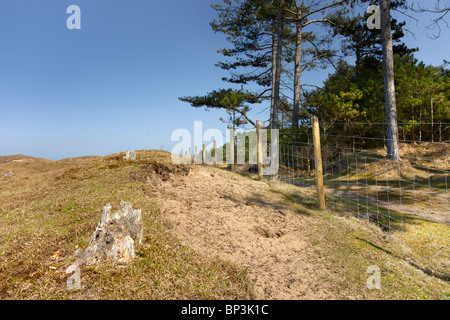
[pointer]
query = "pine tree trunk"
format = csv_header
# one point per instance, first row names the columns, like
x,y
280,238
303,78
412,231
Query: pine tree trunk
x,y
274,68
393,152
276,101
297,75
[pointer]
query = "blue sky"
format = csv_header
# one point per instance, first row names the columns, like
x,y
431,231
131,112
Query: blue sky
x,y
114,84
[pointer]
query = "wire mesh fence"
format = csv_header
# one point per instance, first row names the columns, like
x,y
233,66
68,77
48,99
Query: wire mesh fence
x,y
407,199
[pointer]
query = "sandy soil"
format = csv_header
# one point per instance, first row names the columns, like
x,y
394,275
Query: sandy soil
x,y
218,213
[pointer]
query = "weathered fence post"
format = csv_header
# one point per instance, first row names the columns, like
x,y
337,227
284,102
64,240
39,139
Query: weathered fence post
x,y
259,150
204,155
215,153
232,156
318,164
195,155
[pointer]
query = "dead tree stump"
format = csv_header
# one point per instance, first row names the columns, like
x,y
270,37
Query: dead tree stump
x,y
115,237
130,155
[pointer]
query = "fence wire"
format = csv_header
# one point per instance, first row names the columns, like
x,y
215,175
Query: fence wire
x,y
407,199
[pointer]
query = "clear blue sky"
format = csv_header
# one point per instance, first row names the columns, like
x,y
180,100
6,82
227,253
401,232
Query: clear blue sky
x,y
114,84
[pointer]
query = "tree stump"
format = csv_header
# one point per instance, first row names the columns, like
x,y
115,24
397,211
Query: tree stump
x,y
131,155
115,237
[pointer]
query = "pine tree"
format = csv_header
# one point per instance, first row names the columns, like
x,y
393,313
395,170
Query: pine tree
x,y
301,14
223,99
256,32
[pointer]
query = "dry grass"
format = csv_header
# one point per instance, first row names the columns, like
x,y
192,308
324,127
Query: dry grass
x,y
49,208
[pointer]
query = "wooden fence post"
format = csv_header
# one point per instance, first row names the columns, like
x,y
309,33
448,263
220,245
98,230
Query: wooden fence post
x,y
195,155
232,157
318,164
259,150
204,155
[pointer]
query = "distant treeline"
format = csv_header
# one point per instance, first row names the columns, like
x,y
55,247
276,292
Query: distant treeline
x,y
350,106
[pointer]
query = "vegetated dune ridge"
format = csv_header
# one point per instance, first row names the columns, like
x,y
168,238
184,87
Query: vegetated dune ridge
x,y
21,158
24,158
209,234
49,210
25,165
